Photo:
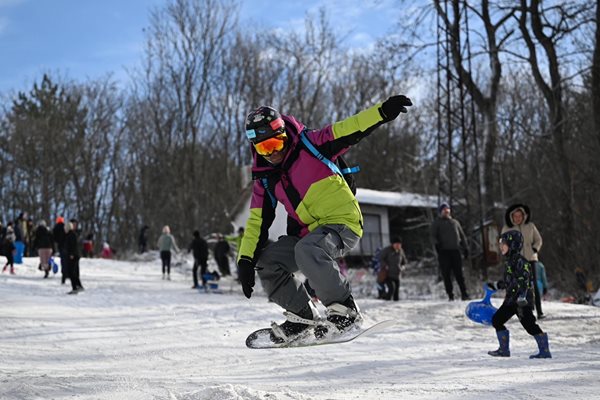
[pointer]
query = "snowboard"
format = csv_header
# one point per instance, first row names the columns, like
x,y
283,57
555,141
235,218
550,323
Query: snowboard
x,y
482,311
260,339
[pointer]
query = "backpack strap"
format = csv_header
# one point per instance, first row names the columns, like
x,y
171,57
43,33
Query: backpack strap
x,y
265,183
330,164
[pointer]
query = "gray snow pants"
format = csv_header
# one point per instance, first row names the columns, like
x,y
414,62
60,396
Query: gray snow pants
x,y
315,256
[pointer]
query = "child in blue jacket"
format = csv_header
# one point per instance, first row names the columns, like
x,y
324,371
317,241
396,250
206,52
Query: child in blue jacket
x,y
518,299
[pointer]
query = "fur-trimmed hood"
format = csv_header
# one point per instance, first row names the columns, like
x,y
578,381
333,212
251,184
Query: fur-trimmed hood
x,y
516,207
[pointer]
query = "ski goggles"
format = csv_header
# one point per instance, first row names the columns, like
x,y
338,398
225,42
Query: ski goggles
x,y
271,145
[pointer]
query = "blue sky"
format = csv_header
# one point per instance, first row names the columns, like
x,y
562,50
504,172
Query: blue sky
x,y
81,39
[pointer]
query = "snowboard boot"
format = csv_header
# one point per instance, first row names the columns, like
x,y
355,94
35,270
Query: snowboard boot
x,y
544,348
503,340
343,316
295,325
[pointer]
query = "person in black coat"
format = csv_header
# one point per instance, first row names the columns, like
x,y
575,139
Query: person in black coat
x,y
199,247
143,239
58,234
221,255
43,242
72,256
518,299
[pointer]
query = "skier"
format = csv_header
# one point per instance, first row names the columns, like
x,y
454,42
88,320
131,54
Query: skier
x,y
519,297
324,218
166,243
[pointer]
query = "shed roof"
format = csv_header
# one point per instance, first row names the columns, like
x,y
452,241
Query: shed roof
x,y
395,199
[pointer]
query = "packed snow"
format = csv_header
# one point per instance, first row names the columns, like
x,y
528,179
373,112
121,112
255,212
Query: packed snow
x,y
132,335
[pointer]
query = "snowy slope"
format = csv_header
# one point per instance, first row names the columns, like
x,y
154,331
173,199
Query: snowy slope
x,y
131,335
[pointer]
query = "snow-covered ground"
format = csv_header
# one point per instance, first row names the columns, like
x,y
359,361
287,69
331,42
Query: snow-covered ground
x,y
131,335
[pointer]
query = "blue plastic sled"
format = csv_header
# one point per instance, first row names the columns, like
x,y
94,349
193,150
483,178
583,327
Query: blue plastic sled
x,y
20,249
482,311
54,265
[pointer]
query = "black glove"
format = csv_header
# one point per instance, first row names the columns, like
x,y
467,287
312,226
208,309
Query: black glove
x,y
501,284
545,291
395,105
246,275
491,286
466,253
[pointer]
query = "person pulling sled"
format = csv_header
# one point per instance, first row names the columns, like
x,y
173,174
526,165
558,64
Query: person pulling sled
x,y
519,297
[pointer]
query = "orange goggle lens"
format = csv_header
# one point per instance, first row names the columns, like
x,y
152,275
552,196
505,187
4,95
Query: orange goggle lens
x,y
271,145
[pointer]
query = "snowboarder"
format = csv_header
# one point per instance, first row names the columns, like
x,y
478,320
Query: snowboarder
x,y
519,297
324,218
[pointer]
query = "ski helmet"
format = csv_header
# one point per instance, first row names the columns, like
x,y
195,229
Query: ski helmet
x,y
263,123
513,239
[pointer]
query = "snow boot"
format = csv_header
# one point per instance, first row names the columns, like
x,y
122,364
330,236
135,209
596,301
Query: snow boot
x,y
503,340
295,325
544,348
46,273
74,291
343,316
4,269
12,270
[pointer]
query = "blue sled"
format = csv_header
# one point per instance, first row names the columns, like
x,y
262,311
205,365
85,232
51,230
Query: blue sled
x,y
482,311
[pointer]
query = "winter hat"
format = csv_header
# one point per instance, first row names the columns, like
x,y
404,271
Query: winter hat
x,y
513,239
395,239
442,206
60,220
196,233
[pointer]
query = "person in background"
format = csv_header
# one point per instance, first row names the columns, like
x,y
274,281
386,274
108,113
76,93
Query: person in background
x,y
88,246
107,251
143,239
44,244
221,252
449,240
518,299
30,238
541,280
8,249
394,260
58,234
72,256
2,232
166,243
518,217
199,247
